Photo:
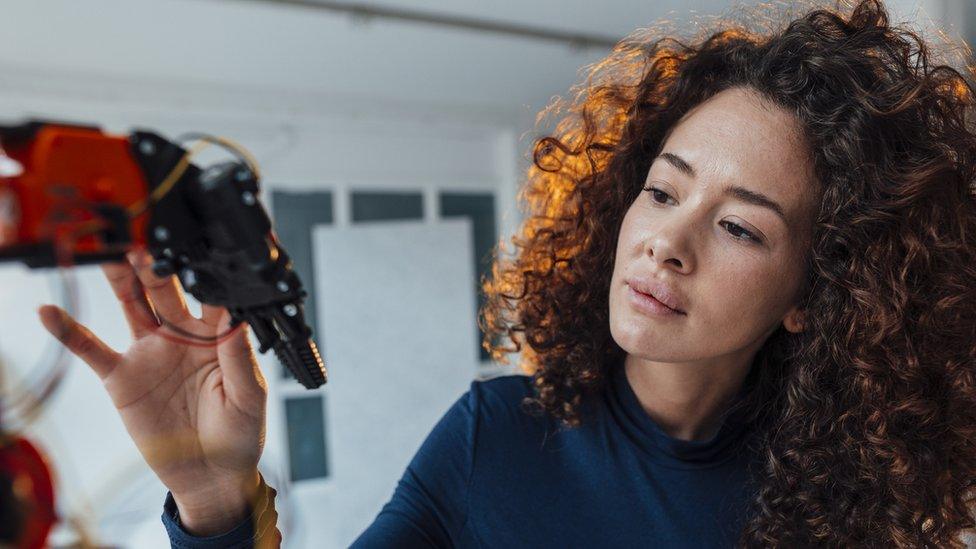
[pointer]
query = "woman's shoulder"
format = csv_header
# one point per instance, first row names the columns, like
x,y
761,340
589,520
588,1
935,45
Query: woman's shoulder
x,y
501,396
497,406
490,408
502,389
488,402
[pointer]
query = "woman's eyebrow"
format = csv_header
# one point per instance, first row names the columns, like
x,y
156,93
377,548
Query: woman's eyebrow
x,y
749,196
756,198
678,163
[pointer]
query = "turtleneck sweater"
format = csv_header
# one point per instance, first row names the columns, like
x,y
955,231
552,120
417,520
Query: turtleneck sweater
x,y
491,475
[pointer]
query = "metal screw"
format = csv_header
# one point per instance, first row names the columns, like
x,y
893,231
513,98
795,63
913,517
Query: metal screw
x,y
168,252
189,278
283,286
147,147
248,198
161,233
290,309
211,172
184,258
242,175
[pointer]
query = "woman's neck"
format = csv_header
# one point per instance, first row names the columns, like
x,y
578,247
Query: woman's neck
x,y
688,400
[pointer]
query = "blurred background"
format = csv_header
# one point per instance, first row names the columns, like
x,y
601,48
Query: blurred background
x,y
392,136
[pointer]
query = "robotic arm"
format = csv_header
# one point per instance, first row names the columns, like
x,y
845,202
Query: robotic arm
x,y
70,195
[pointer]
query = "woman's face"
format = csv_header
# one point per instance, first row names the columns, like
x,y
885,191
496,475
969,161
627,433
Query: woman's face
x,y
733,264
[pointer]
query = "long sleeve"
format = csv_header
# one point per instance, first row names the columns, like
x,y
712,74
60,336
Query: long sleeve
x,y
429,506
259,530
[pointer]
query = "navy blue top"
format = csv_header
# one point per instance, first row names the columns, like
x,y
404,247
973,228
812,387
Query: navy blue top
x,y
490,475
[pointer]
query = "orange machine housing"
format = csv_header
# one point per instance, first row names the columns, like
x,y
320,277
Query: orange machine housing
x,y
75,180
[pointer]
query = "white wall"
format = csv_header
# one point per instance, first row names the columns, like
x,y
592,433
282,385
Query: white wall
x,y
305,137
102,478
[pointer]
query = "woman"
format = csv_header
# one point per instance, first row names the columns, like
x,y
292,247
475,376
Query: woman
x,y
746,292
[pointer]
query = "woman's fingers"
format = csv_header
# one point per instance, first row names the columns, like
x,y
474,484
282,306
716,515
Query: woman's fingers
x,y
132,296
79,340
210,314
165,294
241,374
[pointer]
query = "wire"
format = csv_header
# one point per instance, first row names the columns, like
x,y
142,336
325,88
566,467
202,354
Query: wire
x,y
32,393
204,140
235,148
178,334
77,517
194,339
137,209
30,397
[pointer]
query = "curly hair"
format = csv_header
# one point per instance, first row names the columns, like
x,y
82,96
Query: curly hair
x,y
866,421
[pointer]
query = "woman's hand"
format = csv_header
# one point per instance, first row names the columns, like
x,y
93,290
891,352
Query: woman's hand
x,y
196,412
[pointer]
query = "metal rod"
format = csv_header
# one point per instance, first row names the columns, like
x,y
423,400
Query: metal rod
x,y
367,11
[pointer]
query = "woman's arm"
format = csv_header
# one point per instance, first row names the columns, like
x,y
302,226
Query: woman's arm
x,y
427,509
258,529
196,413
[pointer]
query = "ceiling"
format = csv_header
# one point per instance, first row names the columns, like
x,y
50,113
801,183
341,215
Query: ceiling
x,y
261,45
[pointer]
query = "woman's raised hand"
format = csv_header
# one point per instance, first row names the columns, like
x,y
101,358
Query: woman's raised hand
x,y
196,412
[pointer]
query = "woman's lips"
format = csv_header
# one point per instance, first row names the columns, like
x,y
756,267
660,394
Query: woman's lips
x,y
663,292
647,304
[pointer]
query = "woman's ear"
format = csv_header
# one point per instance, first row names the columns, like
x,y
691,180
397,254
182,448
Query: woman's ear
x,y
794,320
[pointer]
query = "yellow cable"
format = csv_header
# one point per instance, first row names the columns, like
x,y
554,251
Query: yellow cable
x,y
252,162
168,183
203,141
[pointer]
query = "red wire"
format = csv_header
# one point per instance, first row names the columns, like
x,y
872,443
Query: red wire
x,y
217,340
194,339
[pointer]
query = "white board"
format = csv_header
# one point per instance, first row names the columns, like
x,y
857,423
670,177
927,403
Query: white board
x,y
397,327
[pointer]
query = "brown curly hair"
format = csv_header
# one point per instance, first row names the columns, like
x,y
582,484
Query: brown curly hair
x,y
866,421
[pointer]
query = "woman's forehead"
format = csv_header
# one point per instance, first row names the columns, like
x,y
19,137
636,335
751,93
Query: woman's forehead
x,y
736,139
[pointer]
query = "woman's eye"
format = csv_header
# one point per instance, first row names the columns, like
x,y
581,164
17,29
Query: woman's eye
x,y
737,232
740,233
656,194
